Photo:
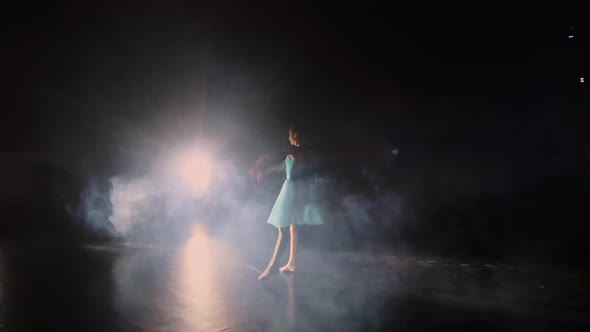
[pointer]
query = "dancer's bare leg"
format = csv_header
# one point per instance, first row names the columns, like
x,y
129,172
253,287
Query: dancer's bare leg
x,y
266,271
291,263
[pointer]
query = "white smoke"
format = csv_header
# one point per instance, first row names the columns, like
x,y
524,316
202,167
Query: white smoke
x,y
130,201
145,207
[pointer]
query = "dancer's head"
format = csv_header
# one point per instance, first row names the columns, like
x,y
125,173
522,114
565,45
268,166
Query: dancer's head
x,y
294,136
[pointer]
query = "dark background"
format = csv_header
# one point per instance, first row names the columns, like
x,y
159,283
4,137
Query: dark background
x,y
484,104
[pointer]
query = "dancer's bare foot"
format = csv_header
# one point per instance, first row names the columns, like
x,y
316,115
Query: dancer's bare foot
x,y
264,274
289,267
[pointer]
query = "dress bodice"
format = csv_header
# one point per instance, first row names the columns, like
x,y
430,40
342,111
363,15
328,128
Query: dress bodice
x,y
290,164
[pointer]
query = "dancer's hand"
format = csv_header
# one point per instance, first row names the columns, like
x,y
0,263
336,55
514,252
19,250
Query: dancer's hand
x,y
259,169
259,177
256,173
252,171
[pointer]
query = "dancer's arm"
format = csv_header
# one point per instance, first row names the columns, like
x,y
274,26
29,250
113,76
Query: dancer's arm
x,y
276,168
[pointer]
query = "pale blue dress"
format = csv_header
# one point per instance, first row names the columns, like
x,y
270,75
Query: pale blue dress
x,y
295,203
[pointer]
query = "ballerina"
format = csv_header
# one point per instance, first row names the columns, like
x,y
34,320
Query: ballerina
x,y
292,206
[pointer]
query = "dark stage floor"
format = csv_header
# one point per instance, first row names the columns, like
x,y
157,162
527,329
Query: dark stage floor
x,y
208,284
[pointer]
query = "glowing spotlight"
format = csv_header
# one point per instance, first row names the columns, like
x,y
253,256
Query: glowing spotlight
x,y
582,79
196,173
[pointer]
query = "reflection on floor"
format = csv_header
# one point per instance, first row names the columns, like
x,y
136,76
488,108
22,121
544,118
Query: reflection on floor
x,y
206,284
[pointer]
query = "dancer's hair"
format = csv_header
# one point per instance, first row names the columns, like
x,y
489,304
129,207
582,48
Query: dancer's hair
x,y
296,130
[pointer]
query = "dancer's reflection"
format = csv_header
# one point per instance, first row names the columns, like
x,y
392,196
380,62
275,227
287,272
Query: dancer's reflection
x,y
284,317
291,300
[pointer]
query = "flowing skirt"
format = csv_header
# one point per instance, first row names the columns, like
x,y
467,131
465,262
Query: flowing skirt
x,y
296,204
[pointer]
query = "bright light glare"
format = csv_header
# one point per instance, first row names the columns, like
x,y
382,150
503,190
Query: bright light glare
x,y
195,171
